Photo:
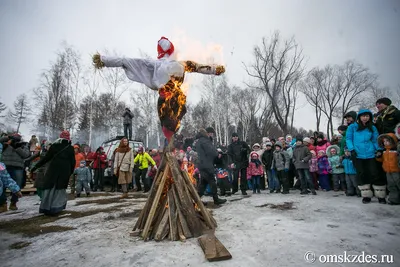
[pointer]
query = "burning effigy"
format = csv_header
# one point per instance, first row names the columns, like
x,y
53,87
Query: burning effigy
x,y
165,75
173,209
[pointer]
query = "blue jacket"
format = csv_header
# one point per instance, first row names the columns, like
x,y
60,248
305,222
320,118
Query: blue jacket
x,y
83,174
348,166
6,181
364,142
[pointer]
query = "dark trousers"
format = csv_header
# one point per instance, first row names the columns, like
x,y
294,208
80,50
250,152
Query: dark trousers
x,y
367,172
128,131
207,177
16,174
255,182
314,176
283,180
224,186
114,183
262,182
306,180
243,179
98,179
141,175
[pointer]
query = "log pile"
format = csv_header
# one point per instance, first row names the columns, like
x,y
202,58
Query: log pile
x,y
173,209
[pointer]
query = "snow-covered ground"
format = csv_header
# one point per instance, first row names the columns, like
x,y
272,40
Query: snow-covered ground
x,y
329,223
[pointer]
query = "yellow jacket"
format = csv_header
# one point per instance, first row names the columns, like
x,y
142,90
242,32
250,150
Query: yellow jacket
x,y
143,160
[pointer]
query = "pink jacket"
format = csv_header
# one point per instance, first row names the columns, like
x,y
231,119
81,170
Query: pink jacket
x,y
322,146
254,170
313,164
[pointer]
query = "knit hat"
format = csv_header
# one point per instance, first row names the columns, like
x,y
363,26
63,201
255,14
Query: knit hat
x,y
313,152
254,154
164,47
65,134
352,114
307,140
268,144
299,138
235,135
256,144
384,100
278,144
210,130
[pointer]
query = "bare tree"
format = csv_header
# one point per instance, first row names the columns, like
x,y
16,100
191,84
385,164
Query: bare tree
x,y
310,88
21,111
277,68
3,107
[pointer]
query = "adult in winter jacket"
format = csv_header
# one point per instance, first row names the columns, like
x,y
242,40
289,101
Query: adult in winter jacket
x,y
123,165
388,116
281,164
99,165
206,156
39,177
362,142
143,159
322,143
13,156
266,159
61,165
128,116
238,155
301,158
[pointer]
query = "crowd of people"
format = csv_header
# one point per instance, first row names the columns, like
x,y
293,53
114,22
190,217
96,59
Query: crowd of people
x,y
362,160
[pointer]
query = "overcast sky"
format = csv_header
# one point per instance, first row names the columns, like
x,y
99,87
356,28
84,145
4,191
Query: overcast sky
x,y
330,32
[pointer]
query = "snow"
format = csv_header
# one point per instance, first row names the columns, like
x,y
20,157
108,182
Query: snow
x,y
329,223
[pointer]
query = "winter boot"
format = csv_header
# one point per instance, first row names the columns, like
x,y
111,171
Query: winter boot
x,y
124,195
3,207
13,206
271,191
88,194
244,193
304,192
78,195
366,200
219,201
277,191
258,191
382,200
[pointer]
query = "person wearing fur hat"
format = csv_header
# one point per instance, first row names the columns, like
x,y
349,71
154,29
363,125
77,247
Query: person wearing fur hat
x,y
255,171
61,164
99,159
301,157
390,164
362,142
207,154
388,116
338,177
238,155
83,178
165,75
280,164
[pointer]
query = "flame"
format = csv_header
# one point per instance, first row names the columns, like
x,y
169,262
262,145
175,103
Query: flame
x,y
190,171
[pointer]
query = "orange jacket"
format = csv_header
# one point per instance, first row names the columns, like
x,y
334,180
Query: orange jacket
x,y
390,157
78,158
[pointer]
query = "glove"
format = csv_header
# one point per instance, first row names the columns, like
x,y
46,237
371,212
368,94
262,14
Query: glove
x,y
286,170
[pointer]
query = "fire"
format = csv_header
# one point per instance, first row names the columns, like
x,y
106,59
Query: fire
x,y
190,171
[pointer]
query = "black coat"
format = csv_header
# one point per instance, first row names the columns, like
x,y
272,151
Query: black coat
x,y
238,153
206,153
267,158
387,120
221,162
61,164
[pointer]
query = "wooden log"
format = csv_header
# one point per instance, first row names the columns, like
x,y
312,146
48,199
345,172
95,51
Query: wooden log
x,y
159,215
180,232
145,233
213,249
145,211
193,192
181,218
185,200
161,228
173,226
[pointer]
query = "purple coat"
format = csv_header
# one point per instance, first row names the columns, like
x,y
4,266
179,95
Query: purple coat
x,y
323,165
313,164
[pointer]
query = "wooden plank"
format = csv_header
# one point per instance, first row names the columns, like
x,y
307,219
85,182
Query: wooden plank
x,y
193,192
156,200
173,226
181,218
213,249
159,215
161,228
184,197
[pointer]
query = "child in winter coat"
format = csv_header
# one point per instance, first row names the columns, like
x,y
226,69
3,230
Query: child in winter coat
x,y
255,170
83,178
323,170
390,159
337,168
350,172
280,164
313,167
301,156
221,166
7,182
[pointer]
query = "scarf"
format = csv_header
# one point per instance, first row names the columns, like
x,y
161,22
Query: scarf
x,y
256,161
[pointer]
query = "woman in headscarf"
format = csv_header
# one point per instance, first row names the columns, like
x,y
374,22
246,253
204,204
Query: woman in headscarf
x,y
54,183
123,165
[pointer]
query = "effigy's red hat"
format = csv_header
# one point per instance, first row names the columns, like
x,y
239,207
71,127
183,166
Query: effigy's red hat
x,y
164,47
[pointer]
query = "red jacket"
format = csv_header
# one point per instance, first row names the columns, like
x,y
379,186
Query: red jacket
x,y
99,160
254,170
